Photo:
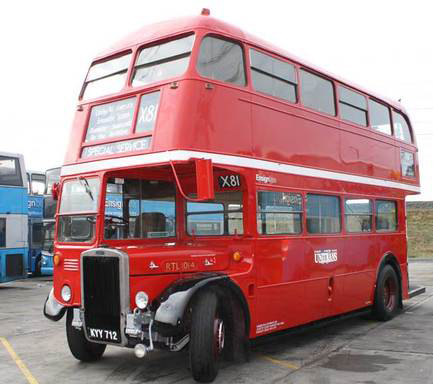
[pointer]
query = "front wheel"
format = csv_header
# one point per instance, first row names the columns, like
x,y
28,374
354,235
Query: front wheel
x,y
80,347
387,295
207,336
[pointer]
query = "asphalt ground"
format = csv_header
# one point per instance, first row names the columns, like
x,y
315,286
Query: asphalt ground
x,y
34,350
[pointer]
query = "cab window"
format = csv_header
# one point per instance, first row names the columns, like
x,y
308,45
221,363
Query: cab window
x,y
139,209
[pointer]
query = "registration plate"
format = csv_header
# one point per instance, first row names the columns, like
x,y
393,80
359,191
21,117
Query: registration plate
x,y
110,336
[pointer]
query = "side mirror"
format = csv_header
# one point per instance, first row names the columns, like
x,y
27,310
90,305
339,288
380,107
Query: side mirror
x,y
204,179
55,191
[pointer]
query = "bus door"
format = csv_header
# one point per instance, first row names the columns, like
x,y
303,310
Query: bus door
x,y
35,214
283,297
324,254
360,253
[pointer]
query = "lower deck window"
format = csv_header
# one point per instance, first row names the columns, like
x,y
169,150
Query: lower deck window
x,y
2,232
37,235
223,216
386,215
279,213
323,214
358,215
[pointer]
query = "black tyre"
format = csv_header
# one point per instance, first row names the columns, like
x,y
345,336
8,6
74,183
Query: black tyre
x,y
387,295
207,336
38,267
80,347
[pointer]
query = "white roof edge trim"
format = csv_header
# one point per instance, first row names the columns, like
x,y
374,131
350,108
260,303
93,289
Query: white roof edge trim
x,y
239,161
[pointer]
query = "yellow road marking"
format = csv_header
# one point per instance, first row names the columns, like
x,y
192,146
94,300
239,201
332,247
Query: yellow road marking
x,y
18,362
283,363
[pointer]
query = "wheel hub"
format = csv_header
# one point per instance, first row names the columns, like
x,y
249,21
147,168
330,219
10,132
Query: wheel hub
x,y
219,332
389,294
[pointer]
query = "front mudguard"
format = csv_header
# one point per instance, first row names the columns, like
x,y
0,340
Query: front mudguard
x,y
174,300
171,305
53,310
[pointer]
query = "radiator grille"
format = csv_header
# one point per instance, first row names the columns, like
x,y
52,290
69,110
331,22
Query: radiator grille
x,y
14,265
101,290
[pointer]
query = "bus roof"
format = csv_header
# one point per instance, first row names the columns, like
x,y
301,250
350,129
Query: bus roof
x,y
173,27
11,154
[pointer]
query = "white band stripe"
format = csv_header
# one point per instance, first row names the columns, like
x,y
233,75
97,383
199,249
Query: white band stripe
x,y
181,155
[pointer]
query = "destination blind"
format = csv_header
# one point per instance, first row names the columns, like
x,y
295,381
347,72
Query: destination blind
x,y
111,120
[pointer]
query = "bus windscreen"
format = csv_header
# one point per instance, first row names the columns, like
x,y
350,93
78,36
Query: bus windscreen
x,y
106,77
160,62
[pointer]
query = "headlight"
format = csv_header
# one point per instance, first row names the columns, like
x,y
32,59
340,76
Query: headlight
x,y
141,299
66,293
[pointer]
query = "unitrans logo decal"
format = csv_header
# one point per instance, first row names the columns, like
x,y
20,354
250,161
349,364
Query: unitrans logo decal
x,y
325,256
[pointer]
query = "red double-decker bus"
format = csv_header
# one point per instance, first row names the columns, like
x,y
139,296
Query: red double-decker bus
x,y
217,189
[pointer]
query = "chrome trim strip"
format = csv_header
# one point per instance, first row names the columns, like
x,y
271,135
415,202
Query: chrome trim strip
x,y
239,161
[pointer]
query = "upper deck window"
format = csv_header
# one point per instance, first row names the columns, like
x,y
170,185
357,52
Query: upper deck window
x,y
317,93
37,183
272,76
10,172
162,61
379,117
222,60
353,106
106,77
401,127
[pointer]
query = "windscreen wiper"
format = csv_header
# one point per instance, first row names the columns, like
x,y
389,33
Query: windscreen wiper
x,y
83,181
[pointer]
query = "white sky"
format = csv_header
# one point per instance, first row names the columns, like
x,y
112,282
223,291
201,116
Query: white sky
x,y
47,46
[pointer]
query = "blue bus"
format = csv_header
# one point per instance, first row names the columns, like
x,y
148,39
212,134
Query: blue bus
x,y
36,233
51,176
13,217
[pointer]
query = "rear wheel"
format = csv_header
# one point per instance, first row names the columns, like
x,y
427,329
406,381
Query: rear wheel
x,y
207,336
387,296
80,347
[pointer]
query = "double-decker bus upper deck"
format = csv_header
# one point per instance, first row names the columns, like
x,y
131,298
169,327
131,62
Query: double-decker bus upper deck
x,y
171,96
